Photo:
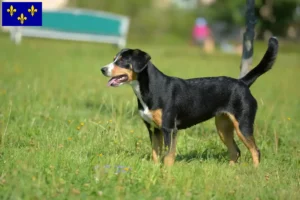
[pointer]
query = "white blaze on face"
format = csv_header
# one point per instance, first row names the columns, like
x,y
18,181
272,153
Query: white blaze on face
x,y
111,66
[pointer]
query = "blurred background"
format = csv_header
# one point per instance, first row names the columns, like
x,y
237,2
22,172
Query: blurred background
x,y
210,23
59,121
156,18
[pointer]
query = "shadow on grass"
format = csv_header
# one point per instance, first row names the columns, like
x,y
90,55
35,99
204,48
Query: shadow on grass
x,y
205,155
220,157
92,105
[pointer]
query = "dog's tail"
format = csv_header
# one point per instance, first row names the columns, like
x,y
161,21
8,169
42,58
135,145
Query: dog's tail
x,y
265,64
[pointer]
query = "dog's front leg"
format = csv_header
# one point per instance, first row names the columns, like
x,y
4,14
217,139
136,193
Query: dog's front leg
x,y
170,145
156,139
170,132
157,144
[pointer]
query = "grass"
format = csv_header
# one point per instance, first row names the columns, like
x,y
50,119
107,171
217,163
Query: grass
x,y
61,127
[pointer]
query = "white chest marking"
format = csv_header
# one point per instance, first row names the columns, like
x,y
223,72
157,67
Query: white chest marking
x,y
145,113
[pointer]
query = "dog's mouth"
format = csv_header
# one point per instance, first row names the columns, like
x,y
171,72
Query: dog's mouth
x,y
117,80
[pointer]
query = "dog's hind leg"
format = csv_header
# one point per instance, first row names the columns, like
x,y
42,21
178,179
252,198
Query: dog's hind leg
x,y
244,130
225,130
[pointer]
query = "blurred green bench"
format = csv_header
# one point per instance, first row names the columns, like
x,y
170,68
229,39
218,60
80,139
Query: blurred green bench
x,y
78,25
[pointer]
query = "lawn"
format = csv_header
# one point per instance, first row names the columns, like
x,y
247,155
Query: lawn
x,y
66,135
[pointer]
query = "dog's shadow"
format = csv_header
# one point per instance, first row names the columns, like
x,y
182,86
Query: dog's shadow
x,y
205,155
220,157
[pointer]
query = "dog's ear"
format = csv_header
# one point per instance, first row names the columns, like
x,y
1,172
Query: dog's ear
x,y
140,60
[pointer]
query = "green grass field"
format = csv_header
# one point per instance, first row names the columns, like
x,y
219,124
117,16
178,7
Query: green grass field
x,y
65,135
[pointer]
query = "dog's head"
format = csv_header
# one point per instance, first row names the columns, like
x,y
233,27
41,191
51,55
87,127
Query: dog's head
x,y
125,66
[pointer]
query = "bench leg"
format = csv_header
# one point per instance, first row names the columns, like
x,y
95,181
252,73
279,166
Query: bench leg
x,y
16,35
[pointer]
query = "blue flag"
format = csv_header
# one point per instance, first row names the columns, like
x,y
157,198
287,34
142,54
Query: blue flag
x,y
22,14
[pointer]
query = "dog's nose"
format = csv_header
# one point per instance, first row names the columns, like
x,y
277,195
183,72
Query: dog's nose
x,y
104,70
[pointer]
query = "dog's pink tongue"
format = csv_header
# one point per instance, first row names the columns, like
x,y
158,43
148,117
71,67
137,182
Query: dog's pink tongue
x,y
111,82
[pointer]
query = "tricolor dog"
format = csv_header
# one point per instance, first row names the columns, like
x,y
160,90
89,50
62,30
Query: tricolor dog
x,y
168,104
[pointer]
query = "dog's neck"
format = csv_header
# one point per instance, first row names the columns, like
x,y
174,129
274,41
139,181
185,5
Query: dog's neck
x,y
146,84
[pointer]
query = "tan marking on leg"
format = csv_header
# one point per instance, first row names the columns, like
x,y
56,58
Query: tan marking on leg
x,y
157,116
157,145
225,130
169,159
248,141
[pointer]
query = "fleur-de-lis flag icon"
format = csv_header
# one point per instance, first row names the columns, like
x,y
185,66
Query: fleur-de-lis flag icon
x,y
22,13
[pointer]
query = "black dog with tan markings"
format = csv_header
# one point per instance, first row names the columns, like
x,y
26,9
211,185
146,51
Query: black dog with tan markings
x,y
168,104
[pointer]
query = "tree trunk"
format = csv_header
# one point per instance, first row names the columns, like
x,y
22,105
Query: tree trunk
x,y
248,38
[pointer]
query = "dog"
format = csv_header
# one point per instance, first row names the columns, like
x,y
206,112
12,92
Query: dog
x,y
167,104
